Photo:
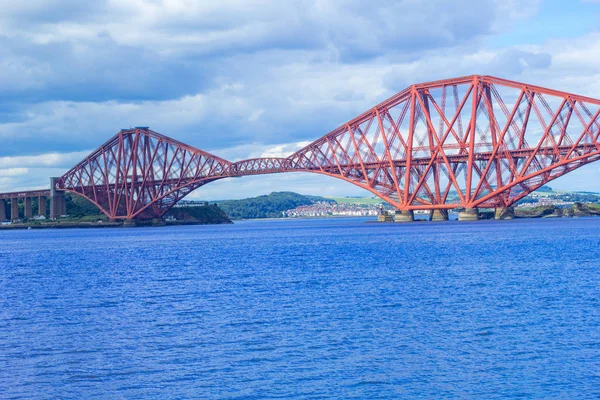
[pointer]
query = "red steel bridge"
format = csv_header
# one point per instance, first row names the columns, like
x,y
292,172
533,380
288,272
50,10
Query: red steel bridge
x,y
470,142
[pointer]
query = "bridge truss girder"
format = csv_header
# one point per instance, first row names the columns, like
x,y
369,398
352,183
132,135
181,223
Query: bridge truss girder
x,y
476,141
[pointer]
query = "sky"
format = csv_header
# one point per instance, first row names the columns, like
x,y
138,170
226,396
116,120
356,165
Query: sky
x,y
251,78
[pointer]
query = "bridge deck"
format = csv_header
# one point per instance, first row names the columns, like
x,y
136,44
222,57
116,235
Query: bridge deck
x,y
25,193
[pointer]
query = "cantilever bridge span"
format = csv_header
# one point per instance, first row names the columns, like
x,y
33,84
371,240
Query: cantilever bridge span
x,y
469,142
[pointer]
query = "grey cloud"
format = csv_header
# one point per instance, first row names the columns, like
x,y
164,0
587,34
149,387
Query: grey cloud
x,y
103,70
509,63
513,62
408,26
22,14
97,51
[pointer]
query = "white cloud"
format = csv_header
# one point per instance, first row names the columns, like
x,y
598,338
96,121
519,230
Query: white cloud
x,y
284,150
172,26
33,172
39,161
9,172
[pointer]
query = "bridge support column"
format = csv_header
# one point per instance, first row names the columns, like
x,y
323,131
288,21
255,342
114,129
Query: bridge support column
x,y
469,214
42,205
28,210
504,213
404,216
14,209
2,210
58,206
438,215
158,222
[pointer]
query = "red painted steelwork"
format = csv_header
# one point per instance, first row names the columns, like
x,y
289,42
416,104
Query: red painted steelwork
x,y
141,174
475,141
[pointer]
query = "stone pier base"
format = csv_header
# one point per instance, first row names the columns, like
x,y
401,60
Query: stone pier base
x,y
2,210
438,215
42,206
28,211
14,209
404,216
58,205
469,214
128,223
504,213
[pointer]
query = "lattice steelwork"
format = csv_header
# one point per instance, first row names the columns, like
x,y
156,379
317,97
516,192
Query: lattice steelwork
x,y
141,174
476,141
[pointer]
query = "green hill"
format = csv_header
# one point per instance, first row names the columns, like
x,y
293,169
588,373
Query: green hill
x,y
269,206
207,214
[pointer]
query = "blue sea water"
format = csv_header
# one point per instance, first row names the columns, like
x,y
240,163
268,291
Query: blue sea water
x,y
303,309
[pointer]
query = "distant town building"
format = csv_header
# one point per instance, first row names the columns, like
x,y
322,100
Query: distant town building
x,y
323,209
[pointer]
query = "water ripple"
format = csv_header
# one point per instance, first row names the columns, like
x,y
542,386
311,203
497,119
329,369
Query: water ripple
x,y
303,309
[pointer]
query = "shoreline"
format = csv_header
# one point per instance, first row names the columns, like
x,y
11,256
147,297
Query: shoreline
x,y
95,225
141,224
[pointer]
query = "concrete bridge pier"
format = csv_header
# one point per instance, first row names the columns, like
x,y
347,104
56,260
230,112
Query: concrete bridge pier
x,y
404,216
469,214
158,222
42,205
2,210
504,213
438,215
14,209
28,210
58,206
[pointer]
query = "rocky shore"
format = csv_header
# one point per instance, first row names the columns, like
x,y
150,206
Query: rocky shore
x,y
551,211
202,215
